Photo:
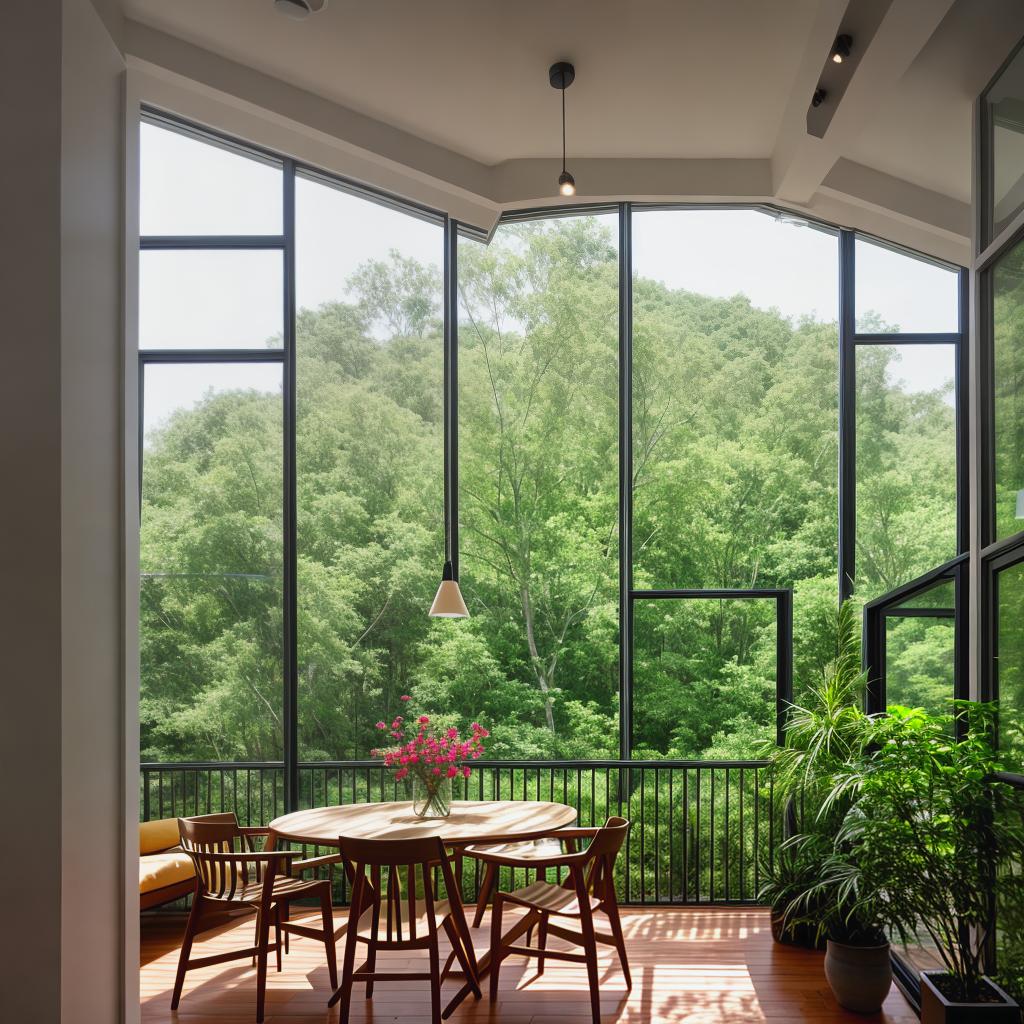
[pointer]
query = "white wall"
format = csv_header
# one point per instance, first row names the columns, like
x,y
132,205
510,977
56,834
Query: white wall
x,y
30,612
62,951
92,862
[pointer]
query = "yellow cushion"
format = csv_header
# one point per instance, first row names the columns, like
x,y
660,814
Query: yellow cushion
x,y
155,836
158,870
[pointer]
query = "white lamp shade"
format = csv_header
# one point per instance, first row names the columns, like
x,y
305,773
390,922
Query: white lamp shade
x,y
448,603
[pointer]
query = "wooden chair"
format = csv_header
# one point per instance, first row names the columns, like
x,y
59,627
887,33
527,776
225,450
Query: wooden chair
x,y
588,888
230,875
375,868
525,854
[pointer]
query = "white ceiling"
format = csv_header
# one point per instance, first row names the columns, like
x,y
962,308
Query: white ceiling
x,y
923,133
657,80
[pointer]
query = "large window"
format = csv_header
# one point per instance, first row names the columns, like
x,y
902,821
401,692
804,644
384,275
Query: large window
x,y
538,447
998,275
211,324
1008,392
646,416
368,463
735,437
906,463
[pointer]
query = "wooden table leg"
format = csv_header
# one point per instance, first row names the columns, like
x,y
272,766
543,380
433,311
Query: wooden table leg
x,y
483,964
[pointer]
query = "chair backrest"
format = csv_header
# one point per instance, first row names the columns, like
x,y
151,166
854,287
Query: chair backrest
x,y
601,854
375,869
216,833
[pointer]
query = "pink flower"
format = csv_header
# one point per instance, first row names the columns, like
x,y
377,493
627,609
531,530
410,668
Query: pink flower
x,y
465,771
381,725
437,771
423,720
452,772
405,697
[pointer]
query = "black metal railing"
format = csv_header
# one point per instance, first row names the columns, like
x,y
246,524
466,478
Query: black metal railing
x,y
702,832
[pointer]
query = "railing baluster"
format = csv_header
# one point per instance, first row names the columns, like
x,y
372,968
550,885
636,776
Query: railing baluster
x,y
696,873
742,841
714,852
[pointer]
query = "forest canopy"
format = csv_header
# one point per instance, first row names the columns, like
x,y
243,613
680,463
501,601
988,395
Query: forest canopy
x,y
735,420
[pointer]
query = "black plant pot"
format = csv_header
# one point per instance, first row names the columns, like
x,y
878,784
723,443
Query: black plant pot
x,y
937,1009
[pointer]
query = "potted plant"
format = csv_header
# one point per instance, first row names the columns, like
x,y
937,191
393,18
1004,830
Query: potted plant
x,y
822,734
919,845
429,757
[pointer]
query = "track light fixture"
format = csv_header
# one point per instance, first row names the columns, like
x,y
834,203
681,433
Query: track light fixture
x,y
818,98
561,76
841,49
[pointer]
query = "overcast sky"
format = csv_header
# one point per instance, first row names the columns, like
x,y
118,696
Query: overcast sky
x,y
233,299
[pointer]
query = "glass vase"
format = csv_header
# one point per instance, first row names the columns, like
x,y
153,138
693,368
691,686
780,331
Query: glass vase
x,y
431,799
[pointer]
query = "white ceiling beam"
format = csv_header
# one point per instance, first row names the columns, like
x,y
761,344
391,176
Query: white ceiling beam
x,y
870,188
801,162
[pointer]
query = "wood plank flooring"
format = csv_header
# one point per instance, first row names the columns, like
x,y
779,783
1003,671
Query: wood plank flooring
x,y
690,966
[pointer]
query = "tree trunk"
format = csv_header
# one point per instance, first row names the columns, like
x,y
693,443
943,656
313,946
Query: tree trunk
x,y
535,659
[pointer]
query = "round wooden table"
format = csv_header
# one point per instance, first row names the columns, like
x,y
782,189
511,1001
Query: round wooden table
x,y
471,821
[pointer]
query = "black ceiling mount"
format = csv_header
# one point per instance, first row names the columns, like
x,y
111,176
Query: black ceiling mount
x,y
561,75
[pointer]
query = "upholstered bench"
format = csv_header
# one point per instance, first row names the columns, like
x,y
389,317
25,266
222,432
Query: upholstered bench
x,y
166,872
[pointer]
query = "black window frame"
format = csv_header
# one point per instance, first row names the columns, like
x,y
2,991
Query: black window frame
x,y
849,339
878,612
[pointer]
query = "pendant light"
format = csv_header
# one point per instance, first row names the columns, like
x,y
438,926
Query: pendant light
x,y
448,603
561,76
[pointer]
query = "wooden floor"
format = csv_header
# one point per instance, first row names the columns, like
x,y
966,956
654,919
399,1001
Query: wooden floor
x,y
693,966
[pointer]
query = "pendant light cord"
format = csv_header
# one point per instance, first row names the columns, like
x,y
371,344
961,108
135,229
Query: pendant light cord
x,y
563,122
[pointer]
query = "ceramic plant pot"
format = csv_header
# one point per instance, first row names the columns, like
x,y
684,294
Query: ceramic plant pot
x,y
860,976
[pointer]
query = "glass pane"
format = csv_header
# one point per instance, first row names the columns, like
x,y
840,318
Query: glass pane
x,y
210,602
370,469
897,293
1008,394
1005,108
906,463
538,450
1010,663
939,595
919,663
203,298
735,397
193,187
704,677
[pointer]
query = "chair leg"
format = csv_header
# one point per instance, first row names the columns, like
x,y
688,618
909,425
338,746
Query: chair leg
x,y
486,887
186,950
590,952
496,947
261,964
371,951
435,982
277,935
542,940
344,992
459,952
327,915
612,910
